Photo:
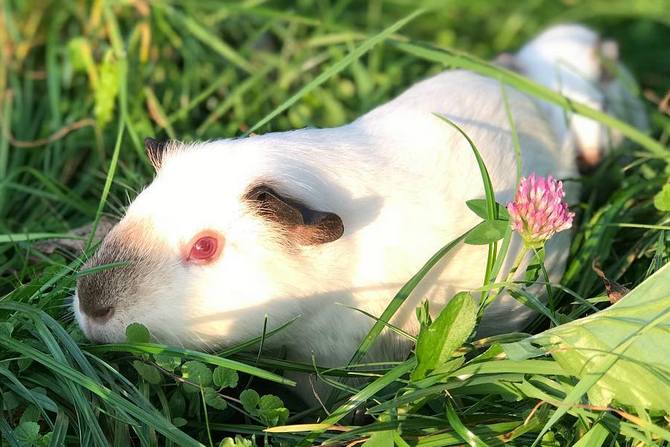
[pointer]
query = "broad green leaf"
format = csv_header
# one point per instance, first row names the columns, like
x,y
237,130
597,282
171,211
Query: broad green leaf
x,y
271,410
448,332
137,333
662,199
479,207
177,403
439,374
147,372
620,354
179,422
380,439
270,402
27,433
423,314
225,377
239,441
45,440
168,362
249,400
30,414
190,390
8,401
268,408
522,350
595,437
276,416
197,373
487,232
213,399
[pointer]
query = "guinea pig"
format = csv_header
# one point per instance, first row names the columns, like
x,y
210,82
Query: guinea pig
x,y
313,222
576,62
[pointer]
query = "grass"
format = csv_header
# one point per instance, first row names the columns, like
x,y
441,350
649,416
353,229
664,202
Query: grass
x,y
82,83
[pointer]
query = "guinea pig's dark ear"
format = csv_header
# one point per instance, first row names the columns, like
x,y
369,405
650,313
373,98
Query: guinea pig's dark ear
x,y
155,150
302,224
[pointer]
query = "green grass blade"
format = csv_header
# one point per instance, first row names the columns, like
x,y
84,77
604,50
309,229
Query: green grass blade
x,y
595,437
152,348
59,431
488,192
470,438
399,299
338,67
26,237
151,418
120,54
209,39
362,396
8,434
455,58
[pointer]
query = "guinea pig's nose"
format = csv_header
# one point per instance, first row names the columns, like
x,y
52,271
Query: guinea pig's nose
x,y
100,314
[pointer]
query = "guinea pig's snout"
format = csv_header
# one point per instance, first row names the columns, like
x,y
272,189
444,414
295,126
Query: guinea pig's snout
x,y
95,300
99,313
108,279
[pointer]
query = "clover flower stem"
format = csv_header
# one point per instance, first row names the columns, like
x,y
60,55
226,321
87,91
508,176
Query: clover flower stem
x,y
547,280
204,408
488,299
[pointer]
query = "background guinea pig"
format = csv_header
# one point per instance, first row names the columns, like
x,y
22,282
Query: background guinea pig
x,y
573,60
301,223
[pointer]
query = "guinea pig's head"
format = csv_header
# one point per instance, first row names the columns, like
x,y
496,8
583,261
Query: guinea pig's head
x,y
203,251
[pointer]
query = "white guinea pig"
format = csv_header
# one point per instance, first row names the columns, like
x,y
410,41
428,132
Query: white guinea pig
x,y
573,60
311,222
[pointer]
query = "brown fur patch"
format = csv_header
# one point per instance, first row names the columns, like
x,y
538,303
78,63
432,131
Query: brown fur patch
x,y
113,274
156,150
300,223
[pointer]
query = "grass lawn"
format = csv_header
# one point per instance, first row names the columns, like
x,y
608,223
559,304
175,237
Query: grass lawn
x,y
82,83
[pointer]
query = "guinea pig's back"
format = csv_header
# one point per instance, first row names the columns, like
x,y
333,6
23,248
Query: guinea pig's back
x,y
433,172
410,131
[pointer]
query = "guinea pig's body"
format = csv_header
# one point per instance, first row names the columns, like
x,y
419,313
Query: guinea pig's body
x,y
397,178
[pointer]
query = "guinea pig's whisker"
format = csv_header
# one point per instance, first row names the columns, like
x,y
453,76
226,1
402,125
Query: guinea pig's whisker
x,y
67,318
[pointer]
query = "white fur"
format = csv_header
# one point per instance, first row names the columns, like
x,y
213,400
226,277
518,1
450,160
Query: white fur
x,y
569,59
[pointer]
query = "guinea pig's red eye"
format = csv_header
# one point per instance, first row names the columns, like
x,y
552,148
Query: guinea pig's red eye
x,y
204,249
